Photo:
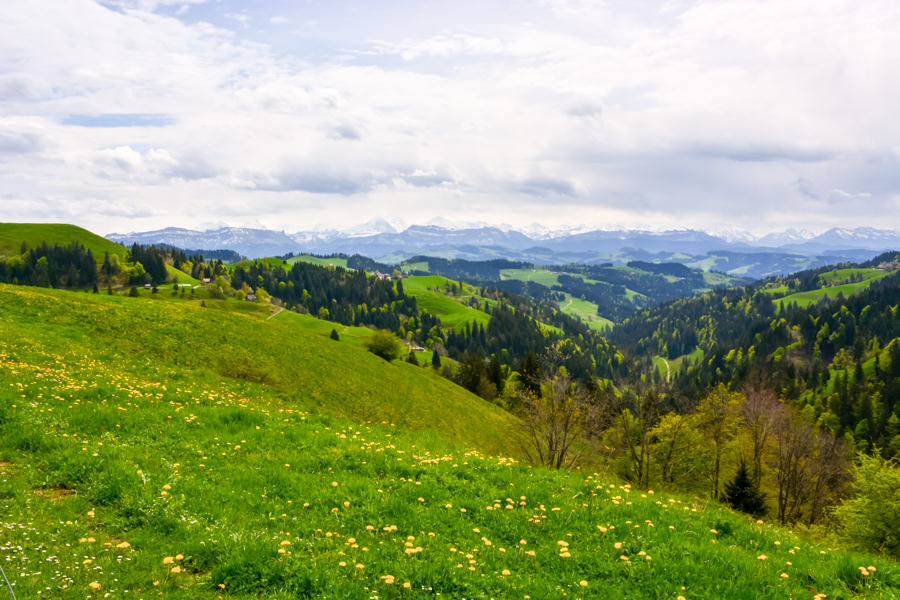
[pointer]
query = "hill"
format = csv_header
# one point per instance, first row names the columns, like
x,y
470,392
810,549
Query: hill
x,y
152,446
13,235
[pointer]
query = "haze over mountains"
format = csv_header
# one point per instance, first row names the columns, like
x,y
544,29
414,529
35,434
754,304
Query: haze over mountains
x,y
741,254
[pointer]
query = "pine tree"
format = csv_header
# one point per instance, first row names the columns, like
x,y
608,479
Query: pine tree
x,y
436,360
742,495
335,336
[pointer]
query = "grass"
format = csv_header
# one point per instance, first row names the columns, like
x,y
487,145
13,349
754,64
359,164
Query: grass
x,y
13,234
834,282
449,309
541,276
586,311
315,260
160,449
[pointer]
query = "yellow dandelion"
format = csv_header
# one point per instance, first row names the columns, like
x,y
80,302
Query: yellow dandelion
x,y
784,575
94,585
168,560
583,583
176,569
505,572
407,585
623,557
618,545
762,557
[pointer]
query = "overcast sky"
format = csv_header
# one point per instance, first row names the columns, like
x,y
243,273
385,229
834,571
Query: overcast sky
x,y
129,115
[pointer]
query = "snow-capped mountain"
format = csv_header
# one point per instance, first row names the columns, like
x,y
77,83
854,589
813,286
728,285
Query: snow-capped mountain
x,y
253,243
383,240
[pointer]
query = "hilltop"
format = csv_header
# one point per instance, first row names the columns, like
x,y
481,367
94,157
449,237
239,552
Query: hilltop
x,y
13,235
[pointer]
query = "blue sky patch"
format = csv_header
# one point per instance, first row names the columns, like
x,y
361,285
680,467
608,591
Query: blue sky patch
x,y
119,120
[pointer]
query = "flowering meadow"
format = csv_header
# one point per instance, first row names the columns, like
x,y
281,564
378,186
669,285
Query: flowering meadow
x,y
138,462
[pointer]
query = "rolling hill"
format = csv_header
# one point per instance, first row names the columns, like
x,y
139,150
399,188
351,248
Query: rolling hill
x,y
13,235
153,446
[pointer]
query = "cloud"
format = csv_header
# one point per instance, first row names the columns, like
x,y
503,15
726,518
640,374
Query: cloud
x,y
313,182
154,166
19,136
690,114
344,132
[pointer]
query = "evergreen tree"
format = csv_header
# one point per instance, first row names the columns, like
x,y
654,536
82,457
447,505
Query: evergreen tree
x,y
742,495
411,359
436,360
335,336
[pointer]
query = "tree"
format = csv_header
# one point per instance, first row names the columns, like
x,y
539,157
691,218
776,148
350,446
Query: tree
x,y
719,421
411,358
870,518
385,344
335,336
743,495
552,421
435,359
759,410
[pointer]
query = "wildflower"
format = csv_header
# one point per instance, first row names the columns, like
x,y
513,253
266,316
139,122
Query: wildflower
x,y
505,572
123,545
762,557
168,560
90,513
623,557
784,575
94,585
583,583
618,545
179,557
176,569
407,585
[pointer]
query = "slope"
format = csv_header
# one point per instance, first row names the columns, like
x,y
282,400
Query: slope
x,y
131,470
12,235
180,338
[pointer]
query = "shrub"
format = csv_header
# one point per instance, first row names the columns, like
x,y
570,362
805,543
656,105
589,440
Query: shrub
x,y
385,344
870,518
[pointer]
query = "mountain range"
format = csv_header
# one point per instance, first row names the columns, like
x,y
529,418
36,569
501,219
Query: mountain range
x,y
772,254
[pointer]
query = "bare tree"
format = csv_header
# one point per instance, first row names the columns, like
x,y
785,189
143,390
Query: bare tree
x,y
759,410
552,421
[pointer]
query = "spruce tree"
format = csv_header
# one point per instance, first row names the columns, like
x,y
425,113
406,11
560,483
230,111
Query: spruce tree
x,y
436,360
742,495
335,336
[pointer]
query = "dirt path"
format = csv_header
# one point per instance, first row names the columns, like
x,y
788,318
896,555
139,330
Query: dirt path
x,y
279,309
668,370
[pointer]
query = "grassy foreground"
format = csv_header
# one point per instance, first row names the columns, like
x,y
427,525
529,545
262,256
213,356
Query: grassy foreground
x,y
138,461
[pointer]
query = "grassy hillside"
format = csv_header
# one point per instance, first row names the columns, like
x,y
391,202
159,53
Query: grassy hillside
x,y
13,234
839,281
237,341
449,309
152,448
315,260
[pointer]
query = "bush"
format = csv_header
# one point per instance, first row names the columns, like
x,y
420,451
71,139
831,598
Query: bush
x,y
870,518
385,344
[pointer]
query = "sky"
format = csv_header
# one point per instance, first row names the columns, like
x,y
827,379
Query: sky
x,y
724,115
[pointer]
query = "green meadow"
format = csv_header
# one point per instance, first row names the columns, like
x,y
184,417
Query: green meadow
x,y
449,309
13,234
834,283
315,260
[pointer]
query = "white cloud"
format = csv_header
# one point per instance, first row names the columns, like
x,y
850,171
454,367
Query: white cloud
x,y
695,114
